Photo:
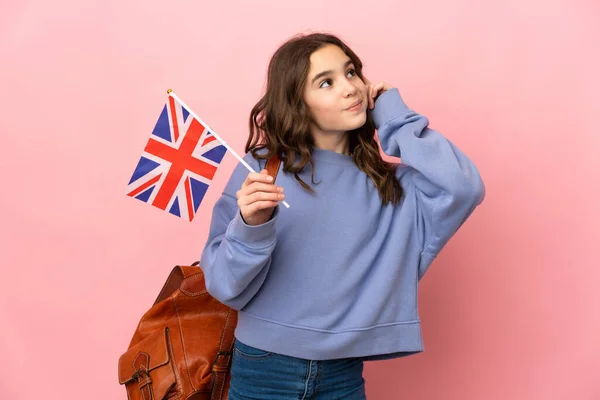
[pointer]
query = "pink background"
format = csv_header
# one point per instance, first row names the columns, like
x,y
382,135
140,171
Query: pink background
x,y
510,307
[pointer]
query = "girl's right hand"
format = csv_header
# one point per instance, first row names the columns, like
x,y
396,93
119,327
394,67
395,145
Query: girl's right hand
x,y
258,197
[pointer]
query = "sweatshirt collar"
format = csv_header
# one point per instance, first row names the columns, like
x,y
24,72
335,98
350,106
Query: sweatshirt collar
x,y
331,157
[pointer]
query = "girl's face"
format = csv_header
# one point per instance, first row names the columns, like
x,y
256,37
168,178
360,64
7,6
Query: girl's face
x,y
332,89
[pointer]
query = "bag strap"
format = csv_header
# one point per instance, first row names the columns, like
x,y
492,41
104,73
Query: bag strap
x,y
222,361
272,166
172,284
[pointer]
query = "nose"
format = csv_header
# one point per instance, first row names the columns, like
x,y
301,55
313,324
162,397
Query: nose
x,y
349,88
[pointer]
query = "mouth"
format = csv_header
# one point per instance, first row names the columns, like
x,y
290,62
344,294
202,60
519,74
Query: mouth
x,y
355,106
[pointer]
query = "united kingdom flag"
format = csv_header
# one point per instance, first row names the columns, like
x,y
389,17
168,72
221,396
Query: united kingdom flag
x,y
178,163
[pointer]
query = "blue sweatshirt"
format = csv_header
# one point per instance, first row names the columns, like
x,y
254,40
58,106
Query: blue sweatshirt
x,y
336,274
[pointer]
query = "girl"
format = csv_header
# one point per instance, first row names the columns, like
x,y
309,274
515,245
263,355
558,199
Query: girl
x,y
332,281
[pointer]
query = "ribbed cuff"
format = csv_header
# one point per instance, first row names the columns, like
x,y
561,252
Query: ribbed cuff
x,y
389,105
257,236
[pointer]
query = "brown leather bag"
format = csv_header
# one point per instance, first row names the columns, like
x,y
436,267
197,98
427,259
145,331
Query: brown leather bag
x,y
183,345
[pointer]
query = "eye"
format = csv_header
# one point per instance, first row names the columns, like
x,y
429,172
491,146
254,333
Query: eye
x,y
325,81
351,72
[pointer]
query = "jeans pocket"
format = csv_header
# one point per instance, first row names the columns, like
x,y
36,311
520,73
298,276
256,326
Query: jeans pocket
x,y
249,352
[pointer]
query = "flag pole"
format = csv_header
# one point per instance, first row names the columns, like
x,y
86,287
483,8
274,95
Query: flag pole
x,y
224,143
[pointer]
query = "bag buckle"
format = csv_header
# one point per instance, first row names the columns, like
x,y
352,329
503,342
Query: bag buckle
x,y
142,377
222,361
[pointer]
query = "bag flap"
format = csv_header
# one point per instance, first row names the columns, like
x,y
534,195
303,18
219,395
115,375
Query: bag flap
x,y
148,354
178,274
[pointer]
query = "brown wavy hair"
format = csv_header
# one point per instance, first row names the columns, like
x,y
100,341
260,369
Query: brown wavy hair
x,y
280,121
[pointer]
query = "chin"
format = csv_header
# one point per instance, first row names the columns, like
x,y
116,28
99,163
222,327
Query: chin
x,y
346,124
359,121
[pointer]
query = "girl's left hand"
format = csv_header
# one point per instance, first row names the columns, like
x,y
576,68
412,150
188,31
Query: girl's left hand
x,y
373,91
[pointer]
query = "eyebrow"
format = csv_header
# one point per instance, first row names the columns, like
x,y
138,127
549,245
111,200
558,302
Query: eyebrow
x,y
322,74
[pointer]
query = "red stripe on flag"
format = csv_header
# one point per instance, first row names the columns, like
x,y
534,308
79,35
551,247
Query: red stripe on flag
x,y
145,186
188,197
180,158
208,140
174,118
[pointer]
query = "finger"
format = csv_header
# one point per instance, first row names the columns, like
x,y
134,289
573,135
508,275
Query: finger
x,y
264,196
261,187
258,187
262,205
246,201
376,89
373,96
375,93
266,175
257,177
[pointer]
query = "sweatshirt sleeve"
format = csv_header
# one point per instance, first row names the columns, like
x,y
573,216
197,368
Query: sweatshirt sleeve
x,y
446,183
237,256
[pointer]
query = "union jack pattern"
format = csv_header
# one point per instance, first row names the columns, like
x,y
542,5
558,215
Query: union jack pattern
x,y
177,164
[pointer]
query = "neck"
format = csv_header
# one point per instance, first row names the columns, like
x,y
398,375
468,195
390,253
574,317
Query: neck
x,y
336,142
